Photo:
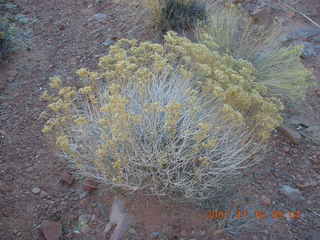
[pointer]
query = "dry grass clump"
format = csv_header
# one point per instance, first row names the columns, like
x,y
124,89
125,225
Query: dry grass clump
x,y
235,34
143,121
166,15
182,15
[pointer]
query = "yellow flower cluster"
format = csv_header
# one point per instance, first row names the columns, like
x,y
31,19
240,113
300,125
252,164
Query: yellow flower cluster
x,y
81,120
55,82
173,112
233,81
116,117
63,143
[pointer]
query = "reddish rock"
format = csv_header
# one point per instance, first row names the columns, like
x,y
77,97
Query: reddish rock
x,y
89,185
292,135
67,178
5,187
61,27
83,203
286,149
51,230
265,200
218,232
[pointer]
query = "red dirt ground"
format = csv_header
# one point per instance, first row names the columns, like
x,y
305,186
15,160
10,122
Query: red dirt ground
x,y
63,41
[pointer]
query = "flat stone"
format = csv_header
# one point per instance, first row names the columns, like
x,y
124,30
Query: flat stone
x,y
108,43
292,134
303,33
286,149
312,133
36,190
316,39
292,193
132,231
313,235
10,6
155,234
310,49
67,178
4,187
89,185
265,200
44,194
100,17
84,223
22,19
51,230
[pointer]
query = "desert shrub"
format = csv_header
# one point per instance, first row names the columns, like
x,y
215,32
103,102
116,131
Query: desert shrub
x,y
160,135
235,34
172,118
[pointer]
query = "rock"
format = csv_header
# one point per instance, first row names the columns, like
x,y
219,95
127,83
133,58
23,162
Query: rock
x,y
22,19
307,185
51,230
292,193
29,169
312,133
155,234
262,15
132,231
4,187
313,235
257,6
298,122
286,149
83,195
10,6
44,194
67,178
265,200
108,43
62,27
89,185
36,190
100,17
183,233
84,223
12,74
292,134
316,39
310,49
218,232
303,33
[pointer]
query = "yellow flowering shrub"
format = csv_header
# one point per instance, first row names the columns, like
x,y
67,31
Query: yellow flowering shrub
x,y
171,118
158,134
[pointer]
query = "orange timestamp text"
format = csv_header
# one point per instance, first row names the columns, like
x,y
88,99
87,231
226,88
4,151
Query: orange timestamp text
x,y
275,214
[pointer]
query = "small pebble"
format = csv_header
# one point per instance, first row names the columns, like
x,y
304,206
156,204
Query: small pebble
x,y
36,190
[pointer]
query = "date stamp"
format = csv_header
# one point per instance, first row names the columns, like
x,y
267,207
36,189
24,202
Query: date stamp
x,y
259,214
